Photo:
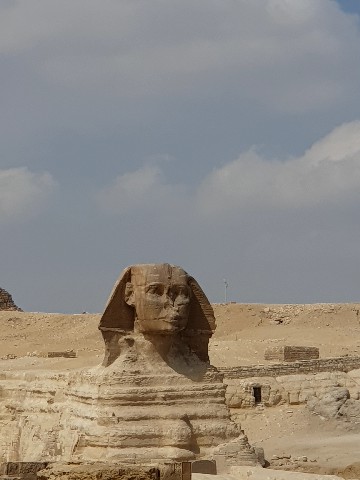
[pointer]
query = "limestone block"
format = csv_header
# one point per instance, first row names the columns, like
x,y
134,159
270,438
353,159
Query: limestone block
x,y
287,353
204,466
294,397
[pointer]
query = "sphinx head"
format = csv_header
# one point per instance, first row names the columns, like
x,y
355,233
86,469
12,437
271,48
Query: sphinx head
x,y
157,300
160,296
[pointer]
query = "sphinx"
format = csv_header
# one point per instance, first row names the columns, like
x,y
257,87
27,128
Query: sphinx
x,y
155,396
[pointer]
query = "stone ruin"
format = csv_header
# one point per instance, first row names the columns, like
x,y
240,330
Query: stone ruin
x,y
287,353
154,398
6,301
65,354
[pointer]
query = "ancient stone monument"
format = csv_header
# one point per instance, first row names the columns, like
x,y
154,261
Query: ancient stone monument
x,y
154,398
6,301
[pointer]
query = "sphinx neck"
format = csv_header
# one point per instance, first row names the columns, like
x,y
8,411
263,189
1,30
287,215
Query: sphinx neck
x,y
157,344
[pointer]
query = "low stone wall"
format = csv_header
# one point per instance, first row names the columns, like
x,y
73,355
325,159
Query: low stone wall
x,y
339,364
25,470
95,470
65,354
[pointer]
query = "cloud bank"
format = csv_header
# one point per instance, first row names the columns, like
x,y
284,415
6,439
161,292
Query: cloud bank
x,y
23,193
327,174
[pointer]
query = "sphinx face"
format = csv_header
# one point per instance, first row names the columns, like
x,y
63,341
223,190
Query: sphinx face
x,y
161,297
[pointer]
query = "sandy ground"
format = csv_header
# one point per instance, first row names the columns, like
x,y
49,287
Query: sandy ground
x,y
292,430
243,332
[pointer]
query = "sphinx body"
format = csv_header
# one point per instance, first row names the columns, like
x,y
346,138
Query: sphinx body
x,y
155,396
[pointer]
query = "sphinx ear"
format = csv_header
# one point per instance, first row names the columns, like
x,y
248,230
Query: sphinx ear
x,y
129,295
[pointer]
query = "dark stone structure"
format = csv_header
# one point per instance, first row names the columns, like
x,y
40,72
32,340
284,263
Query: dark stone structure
x,y
6,301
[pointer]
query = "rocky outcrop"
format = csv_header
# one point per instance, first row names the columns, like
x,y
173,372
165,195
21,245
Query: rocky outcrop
x,y
350,410
6,301
328,405
335,404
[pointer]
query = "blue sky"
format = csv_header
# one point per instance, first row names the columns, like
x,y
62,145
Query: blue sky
x,y
351,6
221,136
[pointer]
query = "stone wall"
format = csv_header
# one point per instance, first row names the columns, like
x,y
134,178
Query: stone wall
x,y
290,383
6,301
340,364
287,353
287,389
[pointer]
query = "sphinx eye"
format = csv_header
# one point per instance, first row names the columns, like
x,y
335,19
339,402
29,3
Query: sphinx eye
x,y
181,291
155,289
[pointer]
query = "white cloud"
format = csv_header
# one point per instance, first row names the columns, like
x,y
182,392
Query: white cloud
x,y
343,143
144,189
23,192
328,173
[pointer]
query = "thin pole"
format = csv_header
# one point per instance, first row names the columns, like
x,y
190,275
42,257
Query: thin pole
x,y
226,286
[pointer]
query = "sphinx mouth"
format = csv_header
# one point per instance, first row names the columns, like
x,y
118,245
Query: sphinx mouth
x,y
174,319
175,322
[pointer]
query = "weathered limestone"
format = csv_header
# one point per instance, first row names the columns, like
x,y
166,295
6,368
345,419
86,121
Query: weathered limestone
x,y
154,397
6,301
328,405
288,389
